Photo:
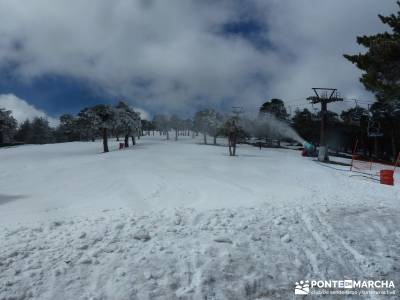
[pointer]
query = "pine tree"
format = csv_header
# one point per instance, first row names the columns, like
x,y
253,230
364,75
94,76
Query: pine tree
x,y
304,123
24,132
42,133
275,108
8,126
87,120
381,66
68,129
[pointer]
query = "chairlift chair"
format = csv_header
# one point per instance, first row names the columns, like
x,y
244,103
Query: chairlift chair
x,y
357,114
315,116
374,128
355,118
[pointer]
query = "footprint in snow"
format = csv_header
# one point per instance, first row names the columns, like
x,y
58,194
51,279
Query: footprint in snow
x,y
142,236
223,240
85,261
286,238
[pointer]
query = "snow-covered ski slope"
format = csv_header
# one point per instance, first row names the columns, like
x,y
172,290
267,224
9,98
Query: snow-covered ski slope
x,y
181,220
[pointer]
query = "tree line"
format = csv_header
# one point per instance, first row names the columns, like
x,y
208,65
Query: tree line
x,y
122,122
104,121
208,122
90,123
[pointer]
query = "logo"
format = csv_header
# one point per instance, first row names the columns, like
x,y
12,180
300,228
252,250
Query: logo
x,y
348,284
302,288
345,287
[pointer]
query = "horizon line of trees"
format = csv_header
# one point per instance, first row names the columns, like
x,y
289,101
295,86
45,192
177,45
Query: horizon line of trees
x,y
99,121
104,121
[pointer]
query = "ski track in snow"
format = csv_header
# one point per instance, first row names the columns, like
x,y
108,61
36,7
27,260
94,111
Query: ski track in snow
x,y
184,231
221,254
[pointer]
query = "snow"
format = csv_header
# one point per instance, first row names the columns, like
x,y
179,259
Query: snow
x,y
181,220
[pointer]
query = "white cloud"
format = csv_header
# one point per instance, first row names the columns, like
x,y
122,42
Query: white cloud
x,y
22,110
170,55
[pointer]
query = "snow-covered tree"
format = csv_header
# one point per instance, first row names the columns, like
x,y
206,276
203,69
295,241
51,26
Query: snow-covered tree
x,y
214,122
162,124
232,131
8,126
117,128
208,121
176,124
200,123
87,122
188,126
128,121
104,121
68,129
136,125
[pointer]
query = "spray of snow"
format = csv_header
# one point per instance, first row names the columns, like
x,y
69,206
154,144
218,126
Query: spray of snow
x,y
269,125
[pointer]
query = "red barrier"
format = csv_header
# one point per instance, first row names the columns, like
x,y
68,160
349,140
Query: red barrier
x,y
121,146
357,163
386,177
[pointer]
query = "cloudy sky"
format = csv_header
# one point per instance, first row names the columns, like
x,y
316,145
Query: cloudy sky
x,y
177,56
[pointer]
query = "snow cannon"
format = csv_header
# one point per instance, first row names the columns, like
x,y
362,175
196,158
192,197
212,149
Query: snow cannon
x,y
309,149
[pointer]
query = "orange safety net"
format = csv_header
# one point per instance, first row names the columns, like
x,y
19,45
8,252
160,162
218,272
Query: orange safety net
x,y
358,164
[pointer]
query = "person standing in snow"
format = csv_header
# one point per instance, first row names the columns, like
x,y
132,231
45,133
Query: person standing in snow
x,y
232,138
